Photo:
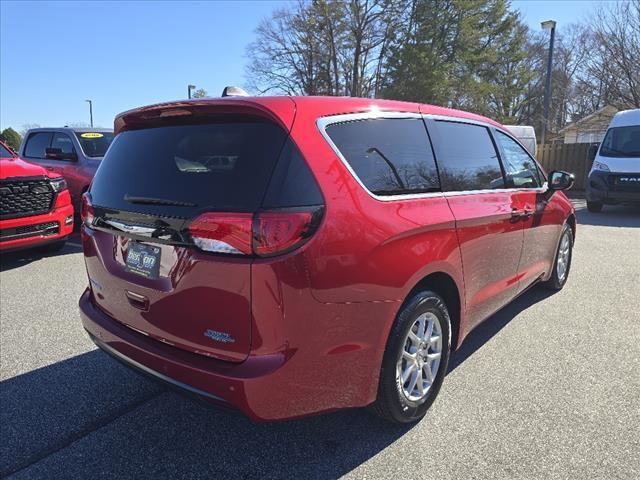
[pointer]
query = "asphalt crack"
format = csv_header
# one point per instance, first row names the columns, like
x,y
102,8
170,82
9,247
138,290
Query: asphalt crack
x,y
71,439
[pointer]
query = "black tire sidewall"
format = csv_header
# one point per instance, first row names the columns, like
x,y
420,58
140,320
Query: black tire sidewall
x,y
594,207
557,283
397,405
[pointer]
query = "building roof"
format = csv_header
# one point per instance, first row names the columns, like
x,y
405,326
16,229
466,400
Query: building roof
x,y
608,111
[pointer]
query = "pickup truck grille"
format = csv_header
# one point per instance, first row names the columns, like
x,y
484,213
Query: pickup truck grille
x,y
22,198
624,182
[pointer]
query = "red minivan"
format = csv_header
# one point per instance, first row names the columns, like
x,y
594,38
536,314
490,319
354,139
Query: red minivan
x,y
292,255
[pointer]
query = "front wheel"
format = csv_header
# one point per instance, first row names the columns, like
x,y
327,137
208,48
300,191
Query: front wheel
x,y
415,359
594,207
562,264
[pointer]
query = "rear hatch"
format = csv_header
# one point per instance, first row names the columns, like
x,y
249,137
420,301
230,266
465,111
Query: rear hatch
x,y
173,212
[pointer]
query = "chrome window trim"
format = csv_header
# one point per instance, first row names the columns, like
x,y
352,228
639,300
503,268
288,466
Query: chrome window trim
x,y
508,133
323,122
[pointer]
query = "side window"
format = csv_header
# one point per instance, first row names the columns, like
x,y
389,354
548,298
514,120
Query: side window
x,y
467,157
36,144
63,142
519,167
391,156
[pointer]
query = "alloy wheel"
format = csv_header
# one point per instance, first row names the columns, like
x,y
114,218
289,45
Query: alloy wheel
x,y
419,361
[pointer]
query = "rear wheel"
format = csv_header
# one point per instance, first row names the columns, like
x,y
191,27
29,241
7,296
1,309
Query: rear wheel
x,y
562,264
415,359
594,207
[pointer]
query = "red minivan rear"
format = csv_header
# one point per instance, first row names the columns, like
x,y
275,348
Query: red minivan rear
x,y
189,196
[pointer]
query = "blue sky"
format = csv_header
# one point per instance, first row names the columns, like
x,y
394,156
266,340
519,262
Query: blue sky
x,y
54,55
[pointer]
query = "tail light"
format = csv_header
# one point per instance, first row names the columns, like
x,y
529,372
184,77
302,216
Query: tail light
x,y
263,234
223,232
86,213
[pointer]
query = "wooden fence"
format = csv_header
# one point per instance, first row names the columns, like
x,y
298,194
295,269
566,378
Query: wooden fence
x,y
571,157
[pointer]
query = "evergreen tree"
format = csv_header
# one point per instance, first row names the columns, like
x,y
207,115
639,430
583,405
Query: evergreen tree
x,y
11,138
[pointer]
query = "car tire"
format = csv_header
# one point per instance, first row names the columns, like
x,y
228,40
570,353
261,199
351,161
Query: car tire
x,y
393,402
594,207
54,246
560,274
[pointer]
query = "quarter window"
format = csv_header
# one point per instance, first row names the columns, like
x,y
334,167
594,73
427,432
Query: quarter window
x,y
467,158
519,167
390,156
37,143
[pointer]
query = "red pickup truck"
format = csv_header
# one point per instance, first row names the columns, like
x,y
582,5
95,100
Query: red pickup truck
x,y
35,205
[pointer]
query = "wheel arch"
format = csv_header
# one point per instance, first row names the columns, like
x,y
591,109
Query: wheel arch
x,y
571,220
445,286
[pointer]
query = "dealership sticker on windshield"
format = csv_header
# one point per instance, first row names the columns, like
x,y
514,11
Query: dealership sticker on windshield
x,y
91,135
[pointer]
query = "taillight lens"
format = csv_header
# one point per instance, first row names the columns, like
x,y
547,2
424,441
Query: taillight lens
x,y
86,213
263,234
280,232
223,232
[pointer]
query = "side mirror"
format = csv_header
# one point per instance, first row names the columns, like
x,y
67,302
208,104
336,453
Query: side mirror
x,y
57,154
559,180
593,151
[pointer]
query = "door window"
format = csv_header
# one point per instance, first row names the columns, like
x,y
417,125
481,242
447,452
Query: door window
x,y
519,167
467,158
37,143
390,156
63,142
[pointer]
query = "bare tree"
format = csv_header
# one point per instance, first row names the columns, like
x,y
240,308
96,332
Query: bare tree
x,y
615,30
322,47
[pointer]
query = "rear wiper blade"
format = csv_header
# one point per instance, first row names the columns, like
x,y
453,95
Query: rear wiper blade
x,y
157,201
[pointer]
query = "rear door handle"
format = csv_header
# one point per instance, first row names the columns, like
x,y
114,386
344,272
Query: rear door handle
x,y
526,213
518,214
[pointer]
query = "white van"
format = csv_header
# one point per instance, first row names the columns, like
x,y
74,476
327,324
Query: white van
x,y
615,174
527,136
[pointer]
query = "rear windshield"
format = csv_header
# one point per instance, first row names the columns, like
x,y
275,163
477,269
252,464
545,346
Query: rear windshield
x,y
221,166
94,144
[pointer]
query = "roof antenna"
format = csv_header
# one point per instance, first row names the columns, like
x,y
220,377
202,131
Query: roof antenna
x,y
234,92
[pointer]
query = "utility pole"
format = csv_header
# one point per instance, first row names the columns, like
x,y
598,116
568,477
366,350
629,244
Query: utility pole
x,y
548,25
90,112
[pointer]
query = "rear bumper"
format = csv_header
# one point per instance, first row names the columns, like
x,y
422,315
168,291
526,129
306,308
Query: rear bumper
x,y
18,239
246,386
600,188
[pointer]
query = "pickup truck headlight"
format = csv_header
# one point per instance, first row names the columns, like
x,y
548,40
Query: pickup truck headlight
x,y
58,184
603,167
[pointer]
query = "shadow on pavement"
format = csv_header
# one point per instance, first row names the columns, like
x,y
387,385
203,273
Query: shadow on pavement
x,y
488,329
81,417
610,216
20,258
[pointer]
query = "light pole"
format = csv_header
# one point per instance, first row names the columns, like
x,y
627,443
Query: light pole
x,y
90,112
548,25
189,89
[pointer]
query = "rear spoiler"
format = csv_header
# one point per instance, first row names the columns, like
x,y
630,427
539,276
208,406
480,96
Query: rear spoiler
x,y
280,110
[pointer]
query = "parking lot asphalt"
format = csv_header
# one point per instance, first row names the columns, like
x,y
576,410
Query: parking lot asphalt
x,y
549,387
